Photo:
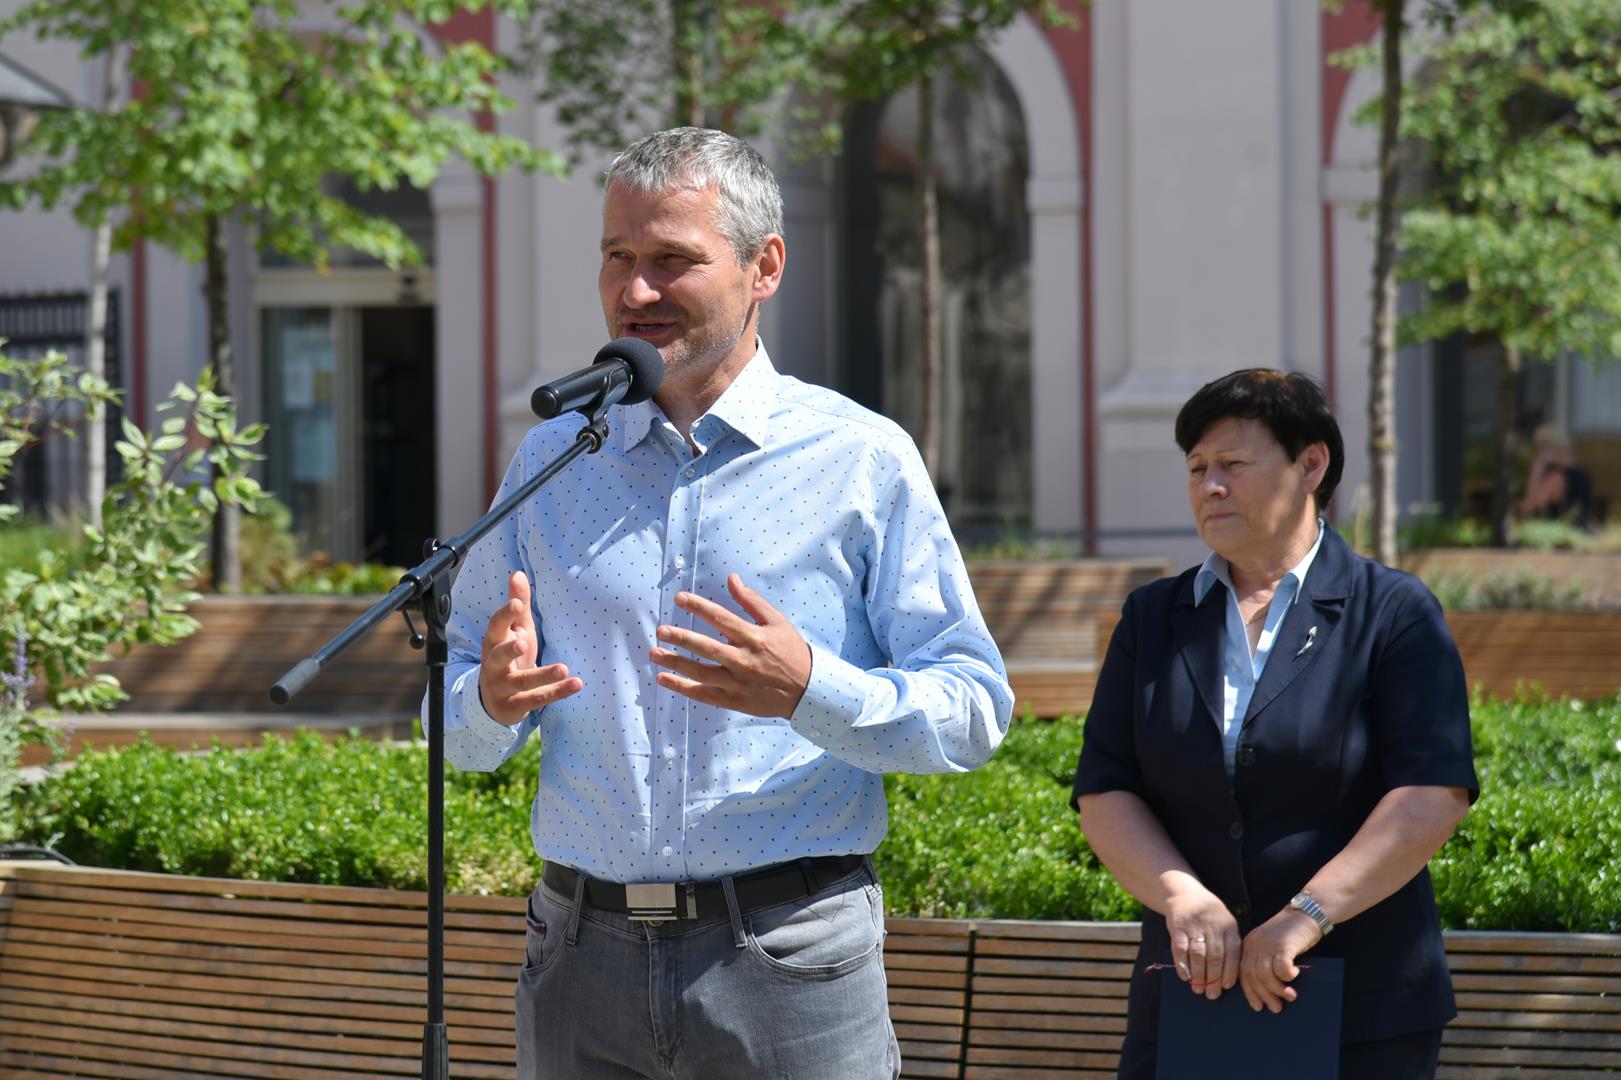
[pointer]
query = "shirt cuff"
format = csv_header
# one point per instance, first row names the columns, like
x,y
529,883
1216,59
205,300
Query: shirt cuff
x,y
833,701
477,725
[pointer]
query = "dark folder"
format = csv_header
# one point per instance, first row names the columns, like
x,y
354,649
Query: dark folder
x,y
1224,1039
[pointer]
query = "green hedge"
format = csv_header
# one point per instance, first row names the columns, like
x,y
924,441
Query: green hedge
x,y
1540,851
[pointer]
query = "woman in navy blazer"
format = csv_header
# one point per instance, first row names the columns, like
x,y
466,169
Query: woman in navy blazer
x,y
1279,743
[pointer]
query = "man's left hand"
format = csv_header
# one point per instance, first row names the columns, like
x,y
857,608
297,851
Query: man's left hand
x,y
1269,960
761,669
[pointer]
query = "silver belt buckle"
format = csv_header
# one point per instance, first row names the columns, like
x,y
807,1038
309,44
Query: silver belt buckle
x,y
656,903
650,903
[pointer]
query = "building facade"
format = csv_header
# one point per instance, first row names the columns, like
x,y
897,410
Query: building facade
x,y
1129,209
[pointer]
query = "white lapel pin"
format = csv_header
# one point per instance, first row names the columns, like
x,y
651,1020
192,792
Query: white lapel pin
x,y
1311,636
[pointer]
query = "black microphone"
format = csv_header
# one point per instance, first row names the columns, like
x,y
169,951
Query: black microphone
x,y
626,370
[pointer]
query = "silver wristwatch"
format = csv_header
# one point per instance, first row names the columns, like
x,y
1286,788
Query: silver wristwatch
x,y
1304,901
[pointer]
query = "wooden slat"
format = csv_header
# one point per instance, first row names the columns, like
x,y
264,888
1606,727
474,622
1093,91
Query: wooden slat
x,y
1541,962
915,1068
369,978
1504,1058
1568,984
186,1057
301,908
1103,933
166,921
1068,1059
1476,1072
27,919
17,876
1460,942
247,1010
999,1072
1572,1040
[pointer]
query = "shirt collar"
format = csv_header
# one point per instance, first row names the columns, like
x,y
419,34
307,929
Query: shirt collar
x,y
745,406
1215,569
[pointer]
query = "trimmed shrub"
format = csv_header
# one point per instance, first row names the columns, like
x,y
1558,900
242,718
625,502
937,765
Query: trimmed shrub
x,y
1539,851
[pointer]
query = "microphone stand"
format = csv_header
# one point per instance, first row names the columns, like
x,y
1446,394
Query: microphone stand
x,y
427,586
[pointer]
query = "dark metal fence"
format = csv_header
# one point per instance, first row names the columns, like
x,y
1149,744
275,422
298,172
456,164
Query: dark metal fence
x,y
32,326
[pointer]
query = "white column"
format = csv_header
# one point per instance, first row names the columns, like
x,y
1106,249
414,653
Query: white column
x,y
1195,137
458,361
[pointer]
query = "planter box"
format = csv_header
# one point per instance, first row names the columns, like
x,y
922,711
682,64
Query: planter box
x,y
247,643
1565,653
1043,615
1598,574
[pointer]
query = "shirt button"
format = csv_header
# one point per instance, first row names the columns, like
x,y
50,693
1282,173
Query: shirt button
x,y
1246,756
680,562
687,472
669,753
668,851
1236,830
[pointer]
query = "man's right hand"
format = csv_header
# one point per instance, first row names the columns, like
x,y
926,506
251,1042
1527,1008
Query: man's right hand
x,y
509,683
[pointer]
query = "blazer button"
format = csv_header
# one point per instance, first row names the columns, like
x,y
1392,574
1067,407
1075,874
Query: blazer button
x,y
1241,909
1236,830
1246,755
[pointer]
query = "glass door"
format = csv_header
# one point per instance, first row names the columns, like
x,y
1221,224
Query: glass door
x,y
312,406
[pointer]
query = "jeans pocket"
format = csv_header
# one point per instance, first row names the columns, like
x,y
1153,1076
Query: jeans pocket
x,y
541,944
823,936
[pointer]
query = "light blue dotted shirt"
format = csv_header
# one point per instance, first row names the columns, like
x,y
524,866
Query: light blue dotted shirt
x,y
822,507
1240,669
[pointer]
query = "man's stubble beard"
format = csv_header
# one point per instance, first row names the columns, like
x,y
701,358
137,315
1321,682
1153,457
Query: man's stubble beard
x,y
691,353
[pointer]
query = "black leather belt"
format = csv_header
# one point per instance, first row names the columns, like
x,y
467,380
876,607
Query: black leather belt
x,y
707,899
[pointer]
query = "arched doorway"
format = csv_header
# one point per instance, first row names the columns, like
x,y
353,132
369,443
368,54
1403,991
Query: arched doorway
x,y
982,162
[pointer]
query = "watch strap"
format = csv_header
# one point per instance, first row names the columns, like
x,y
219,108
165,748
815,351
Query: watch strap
x,y
1306,903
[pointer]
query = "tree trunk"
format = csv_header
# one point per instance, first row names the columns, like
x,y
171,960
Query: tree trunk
x,y
227,554
689,20
1382,364
95,343
1508,398
928,237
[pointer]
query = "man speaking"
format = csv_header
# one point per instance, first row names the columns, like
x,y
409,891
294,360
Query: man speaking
x,y
724,627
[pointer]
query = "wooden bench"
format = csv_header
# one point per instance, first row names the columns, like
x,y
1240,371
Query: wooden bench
x,y
114,974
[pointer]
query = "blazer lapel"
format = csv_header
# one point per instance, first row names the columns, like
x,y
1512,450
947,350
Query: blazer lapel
x,y
1310,623
1199,635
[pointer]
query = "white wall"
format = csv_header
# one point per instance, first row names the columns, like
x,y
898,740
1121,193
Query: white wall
x,y
48,251
1205,238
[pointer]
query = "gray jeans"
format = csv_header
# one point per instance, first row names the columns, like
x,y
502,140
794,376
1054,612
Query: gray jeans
x,y
793,992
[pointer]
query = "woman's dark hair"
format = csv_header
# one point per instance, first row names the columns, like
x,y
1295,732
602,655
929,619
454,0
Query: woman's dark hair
x,y
1291,405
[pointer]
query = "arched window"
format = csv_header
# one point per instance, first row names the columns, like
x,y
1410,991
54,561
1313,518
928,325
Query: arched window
x,y
982,165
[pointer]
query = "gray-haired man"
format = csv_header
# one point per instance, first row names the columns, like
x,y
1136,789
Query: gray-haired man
x,y
726,626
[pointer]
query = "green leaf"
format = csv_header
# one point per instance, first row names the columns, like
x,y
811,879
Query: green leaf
x,y
133,435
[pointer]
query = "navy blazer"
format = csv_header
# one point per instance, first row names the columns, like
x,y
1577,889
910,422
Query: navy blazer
x,y
1378,701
